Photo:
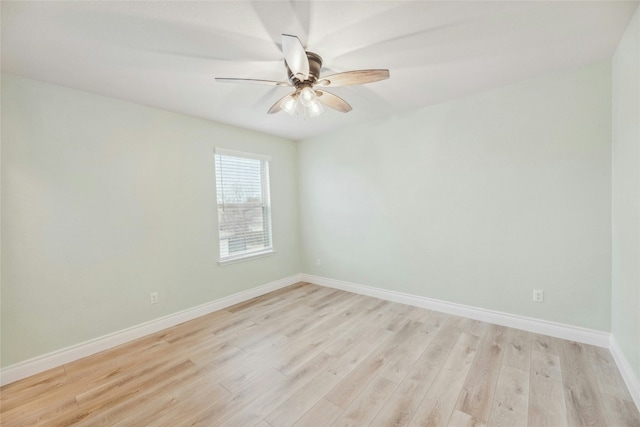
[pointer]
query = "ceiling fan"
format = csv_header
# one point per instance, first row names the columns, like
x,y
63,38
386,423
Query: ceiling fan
x,y
303,70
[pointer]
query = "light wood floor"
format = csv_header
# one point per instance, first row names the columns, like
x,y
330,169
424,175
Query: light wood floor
x,y
313,356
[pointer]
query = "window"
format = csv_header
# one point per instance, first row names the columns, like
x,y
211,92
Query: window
x,y
244,208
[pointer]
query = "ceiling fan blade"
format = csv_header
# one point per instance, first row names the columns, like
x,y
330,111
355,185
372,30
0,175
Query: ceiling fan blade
x,y
279,103
296,56
278,15
350,78
333,101
252,81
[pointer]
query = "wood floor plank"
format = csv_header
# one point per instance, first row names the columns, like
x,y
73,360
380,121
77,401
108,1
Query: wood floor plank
x,y
192,327
38,412
264,343
305,324
230,326
214,355
511,400
399,318
218,411
406,353
93,403
308,355
304,399
325,296
114,356
366,406
461,419
478,390
517,349
287,314
141,405
189,398
322,414
606,373
546,399
323,334
274,310
351,358
16,394
294,408
243,369
581,395
402,404
543,344
343,393
621,412
347,390
290,291
302,351
373,316
65,392
440,400
265,404
475,327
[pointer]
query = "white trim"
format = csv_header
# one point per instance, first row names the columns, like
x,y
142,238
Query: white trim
x,y
559,330
628,375
245,154
246,257
60,357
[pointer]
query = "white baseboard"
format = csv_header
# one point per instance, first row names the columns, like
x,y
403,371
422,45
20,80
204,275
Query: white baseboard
x,y
559,330
628,374
69,354
66,355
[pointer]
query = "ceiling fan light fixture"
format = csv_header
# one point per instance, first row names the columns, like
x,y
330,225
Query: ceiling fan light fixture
x,y
314,109
308,96
290,104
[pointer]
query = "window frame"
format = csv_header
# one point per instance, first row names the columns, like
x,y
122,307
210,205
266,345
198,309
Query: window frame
x,y
265,183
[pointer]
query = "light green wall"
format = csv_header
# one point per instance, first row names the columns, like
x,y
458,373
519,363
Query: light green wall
x,y
625,324
105,201
476,201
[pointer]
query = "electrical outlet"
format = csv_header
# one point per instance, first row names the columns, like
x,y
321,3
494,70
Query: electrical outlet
x,y
538,295
318,262
154,297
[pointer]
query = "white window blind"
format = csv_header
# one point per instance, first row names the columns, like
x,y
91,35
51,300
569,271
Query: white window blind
x,y
244,209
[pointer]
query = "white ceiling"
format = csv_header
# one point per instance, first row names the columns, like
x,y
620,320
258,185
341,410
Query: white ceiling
x,y
166,54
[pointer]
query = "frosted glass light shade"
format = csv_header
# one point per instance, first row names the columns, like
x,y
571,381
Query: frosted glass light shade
x,y
307,96
289,105
314,109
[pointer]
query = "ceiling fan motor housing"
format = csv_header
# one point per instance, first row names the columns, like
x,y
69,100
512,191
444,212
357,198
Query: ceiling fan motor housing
x,y
315,64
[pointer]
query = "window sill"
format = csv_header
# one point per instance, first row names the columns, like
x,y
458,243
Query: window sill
x,y
246,257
